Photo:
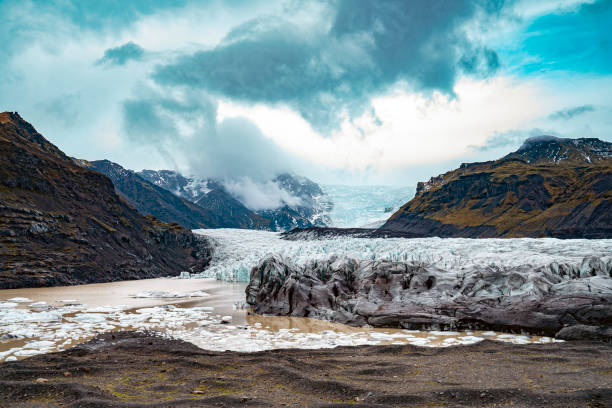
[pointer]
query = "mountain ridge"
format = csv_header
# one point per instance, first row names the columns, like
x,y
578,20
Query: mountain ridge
x,y
148,198
213,195
550,187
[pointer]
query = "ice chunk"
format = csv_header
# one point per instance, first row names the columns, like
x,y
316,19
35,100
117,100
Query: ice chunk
x,y
160,294
89,317
39,305
19,300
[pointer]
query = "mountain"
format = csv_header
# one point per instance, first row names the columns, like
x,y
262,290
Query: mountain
x,y
314,205
211,194
63,224
148,198
231,212
550,187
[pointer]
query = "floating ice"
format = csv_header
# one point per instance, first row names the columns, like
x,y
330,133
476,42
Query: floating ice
x,y
89,317
19,300
160,294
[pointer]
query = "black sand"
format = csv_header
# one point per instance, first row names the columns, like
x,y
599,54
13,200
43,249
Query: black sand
x,y
137,370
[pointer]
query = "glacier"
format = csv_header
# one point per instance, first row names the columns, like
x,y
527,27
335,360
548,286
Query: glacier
x,y
236,251
364,206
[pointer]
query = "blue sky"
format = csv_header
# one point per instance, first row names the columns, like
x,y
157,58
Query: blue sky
x,y
345,91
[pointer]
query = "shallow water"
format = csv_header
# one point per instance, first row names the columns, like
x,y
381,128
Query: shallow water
x,y
41,320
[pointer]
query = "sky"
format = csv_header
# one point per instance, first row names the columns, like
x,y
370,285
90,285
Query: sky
x,y
341,91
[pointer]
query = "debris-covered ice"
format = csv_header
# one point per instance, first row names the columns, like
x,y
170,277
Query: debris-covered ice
x,y
237,251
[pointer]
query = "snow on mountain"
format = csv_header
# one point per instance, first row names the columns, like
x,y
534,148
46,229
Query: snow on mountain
x,y
551,149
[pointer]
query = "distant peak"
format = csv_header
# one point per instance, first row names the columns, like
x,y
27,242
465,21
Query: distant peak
x,y
540,139
552,149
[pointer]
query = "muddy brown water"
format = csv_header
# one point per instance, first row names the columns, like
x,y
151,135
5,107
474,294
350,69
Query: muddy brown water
x,y
87,310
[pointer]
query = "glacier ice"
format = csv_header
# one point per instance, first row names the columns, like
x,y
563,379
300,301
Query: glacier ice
x,y
237,251
364,206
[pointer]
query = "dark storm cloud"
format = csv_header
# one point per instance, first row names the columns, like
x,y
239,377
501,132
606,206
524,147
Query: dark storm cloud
x,y
122,54
569,113
369,46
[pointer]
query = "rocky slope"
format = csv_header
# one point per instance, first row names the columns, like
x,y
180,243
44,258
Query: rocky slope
x,y
563,300
213,196
148,198
62,224
550,187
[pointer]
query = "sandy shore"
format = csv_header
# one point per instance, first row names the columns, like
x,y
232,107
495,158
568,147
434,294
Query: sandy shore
x,y
129,369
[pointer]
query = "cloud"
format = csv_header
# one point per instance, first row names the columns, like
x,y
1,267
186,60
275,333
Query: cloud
x,y
359,50
122,54
260,195
512,139
569,113
404,128
64,108
183,127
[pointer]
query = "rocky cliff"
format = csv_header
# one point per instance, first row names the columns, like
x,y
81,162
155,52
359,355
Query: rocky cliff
x,y
63,224
550,187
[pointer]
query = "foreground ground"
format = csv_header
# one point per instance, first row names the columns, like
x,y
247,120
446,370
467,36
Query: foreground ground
x,y
129,369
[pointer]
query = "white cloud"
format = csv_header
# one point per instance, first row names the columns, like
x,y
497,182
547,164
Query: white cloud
x,y
260,195
406,128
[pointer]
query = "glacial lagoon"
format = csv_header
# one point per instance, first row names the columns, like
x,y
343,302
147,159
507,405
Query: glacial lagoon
x,y
208,310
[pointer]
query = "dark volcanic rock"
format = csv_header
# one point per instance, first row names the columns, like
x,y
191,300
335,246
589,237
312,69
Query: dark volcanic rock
x,y
550,187
62,224
413,295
